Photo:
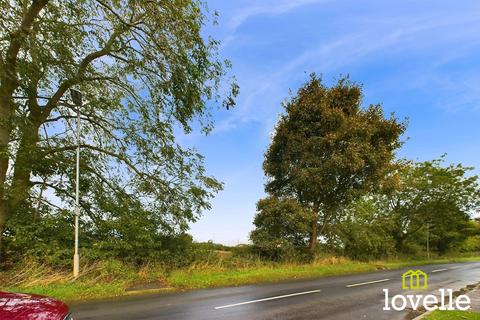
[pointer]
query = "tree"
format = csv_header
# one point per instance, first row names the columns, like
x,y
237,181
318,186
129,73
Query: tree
x,y
281,228
433,198
327,151
364,230
144,69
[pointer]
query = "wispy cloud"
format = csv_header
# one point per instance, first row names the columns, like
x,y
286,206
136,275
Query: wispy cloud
x,y
268,90
264,93
268,9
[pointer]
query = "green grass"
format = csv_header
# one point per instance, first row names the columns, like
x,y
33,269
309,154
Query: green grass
x,y
103,279
398,264
217,278
452,315
77,291
111,279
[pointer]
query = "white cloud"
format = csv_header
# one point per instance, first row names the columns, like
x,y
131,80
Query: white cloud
x,y
262,94
268,9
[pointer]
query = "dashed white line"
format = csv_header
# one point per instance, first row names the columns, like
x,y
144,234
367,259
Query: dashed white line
x,y
364,283
315,291
267,299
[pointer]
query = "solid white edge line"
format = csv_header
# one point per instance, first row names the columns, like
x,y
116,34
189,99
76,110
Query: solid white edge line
x,y
364,283
267,299
438,270
454,268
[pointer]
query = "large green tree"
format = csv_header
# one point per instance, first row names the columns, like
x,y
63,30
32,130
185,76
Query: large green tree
x,y
145,69
435,198
327,150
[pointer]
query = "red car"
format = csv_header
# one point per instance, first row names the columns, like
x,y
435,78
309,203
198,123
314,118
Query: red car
x,y
21,306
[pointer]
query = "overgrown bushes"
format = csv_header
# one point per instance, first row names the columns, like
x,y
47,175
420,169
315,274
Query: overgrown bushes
x,y
48,239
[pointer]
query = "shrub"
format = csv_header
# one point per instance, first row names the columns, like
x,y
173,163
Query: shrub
x,y
470,244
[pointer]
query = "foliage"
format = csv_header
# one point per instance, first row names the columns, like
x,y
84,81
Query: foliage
x,y
50,241
431,202
364,232
281,228
211,246
436,199
472,241
145,70
327,150
47,238
470,244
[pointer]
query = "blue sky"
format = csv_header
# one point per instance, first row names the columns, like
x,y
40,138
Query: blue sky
x,y
420,59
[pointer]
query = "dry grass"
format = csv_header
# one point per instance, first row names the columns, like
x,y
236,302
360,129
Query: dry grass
x,y
330,260
96,280
112,278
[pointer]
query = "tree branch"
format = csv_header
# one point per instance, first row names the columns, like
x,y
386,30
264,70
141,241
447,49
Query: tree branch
x,y
89,119
79,77
120,157
66,193
23,30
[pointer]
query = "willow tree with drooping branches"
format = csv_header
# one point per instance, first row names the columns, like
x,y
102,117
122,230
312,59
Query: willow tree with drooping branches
x,y
146,70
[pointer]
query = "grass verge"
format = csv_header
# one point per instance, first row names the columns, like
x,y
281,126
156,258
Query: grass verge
x,y
452,315
100,280
111,278
207,278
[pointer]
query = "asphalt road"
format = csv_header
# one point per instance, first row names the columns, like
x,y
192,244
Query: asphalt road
x,y
357,296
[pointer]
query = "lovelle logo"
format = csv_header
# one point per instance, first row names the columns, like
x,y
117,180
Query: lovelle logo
x,y
415,280
419,280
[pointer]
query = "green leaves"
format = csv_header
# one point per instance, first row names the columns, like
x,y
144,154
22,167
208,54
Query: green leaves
x,y
327,147
282,228
327,150
145,70
442,197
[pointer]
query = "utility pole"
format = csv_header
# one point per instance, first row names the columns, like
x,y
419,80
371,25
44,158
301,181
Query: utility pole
x,y
77,101
428,240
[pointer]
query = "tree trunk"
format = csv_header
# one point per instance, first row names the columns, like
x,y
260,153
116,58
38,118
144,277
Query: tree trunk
x,y
399,240
3,215
12,196
8,85
25,157
313,236
5,130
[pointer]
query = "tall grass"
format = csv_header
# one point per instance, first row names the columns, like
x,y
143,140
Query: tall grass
x,y
101,279
111,278
216,276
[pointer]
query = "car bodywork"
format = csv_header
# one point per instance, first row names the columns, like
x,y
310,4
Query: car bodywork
x,y
16,306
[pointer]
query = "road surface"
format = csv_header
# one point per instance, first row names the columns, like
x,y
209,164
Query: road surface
x,y
358,296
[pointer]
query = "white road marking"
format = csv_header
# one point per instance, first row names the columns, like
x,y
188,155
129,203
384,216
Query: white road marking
x,y
364,283
267,299
438,270
454,268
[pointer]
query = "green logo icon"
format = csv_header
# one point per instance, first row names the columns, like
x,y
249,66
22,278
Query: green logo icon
x,y
413,280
